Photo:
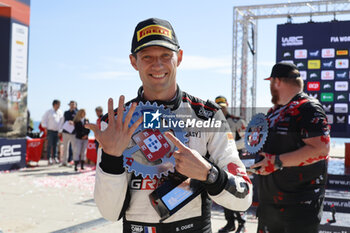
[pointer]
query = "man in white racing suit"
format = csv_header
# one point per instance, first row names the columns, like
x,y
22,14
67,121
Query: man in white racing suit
x,y
210,156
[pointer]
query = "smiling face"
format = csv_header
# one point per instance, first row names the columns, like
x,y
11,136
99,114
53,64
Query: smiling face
x,y
157,69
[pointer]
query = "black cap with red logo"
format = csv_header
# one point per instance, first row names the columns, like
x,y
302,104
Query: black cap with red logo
x,y
154,32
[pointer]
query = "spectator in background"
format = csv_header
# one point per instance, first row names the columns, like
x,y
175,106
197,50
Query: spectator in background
x,y
30,125
42,131
68,132
237,126
81,141
99,114
52,122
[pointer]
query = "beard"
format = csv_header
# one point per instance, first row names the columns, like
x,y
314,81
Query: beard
x,y
275,95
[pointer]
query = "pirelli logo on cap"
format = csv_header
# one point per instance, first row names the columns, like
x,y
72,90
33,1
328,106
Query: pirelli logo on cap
x,y
153,30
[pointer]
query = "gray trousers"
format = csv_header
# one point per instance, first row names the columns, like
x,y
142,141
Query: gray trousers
x,y
67,138
80,149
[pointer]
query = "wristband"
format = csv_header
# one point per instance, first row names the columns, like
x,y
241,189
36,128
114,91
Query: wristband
x,y
278,162
213,175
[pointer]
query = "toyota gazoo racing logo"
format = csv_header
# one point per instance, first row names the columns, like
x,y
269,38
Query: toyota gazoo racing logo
x,y
328,53
300,53
144,184
155,119
10,150
327,75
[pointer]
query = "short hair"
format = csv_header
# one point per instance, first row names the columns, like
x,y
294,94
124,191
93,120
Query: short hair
x,y
54,102
99,108
297,82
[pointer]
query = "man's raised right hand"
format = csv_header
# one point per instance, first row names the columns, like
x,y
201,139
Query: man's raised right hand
x,y
116,137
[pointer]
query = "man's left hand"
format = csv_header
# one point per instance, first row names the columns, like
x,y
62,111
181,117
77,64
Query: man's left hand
x,y
189,162
266,166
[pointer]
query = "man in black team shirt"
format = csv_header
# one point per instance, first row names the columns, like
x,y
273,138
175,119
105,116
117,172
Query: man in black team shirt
x,y
292,169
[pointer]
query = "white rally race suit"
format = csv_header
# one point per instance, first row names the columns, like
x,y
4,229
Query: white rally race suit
x,y
119,193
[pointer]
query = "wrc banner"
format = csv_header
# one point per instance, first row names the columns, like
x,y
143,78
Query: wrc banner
x,y
323,64
12,153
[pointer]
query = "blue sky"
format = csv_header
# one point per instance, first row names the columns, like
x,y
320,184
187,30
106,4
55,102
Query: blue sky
x,y
79,50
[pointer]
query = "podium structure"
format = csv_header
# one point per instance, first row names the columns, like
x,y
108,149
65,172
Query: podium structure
x,y
14,31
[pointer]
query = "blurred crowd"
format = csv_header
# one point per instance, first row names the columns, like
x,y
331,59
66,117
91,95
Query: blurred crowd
x,y
67,130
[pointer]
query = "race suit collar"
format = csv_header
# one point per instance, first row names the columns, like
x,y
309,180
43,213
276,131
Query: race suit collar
x,y
173,104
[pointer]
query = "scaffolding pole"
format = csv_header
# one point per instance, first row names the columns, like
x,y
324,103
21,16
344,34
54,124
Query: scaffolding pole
x,y
244,75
